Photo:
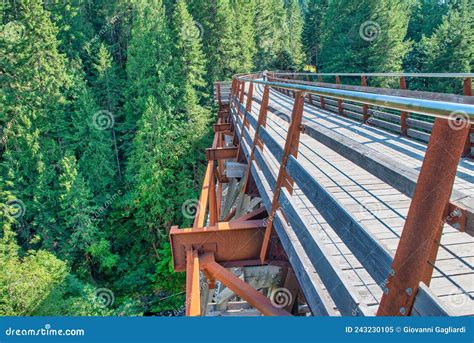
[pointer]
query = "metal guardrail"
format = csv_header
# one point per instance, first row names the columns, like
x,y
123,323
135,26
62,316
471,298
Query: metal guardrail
x,y
451,111
428,75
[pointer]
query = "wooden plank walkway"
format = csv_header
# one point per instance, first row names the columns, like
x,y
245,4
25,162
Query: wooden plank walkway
x,y
377,206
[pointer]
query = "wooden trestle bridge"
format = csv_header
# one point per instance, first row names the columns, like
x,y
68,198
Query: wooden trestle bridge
x,y
334,199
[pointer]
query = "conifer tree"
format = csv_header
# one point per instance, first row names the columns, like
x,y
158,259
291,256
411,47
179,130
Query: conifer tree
x,y
219,37
313,31
365,36
244,12
451,47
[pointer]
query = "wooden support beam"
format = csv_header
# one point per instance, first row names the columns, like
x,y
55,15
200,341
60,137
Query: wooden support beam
x,y
223,153
240,287
291,148
423,225
403,115
193,296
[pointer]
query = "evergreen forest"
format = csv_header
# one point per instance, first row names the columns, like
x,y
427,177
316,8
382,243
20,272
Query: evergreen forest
x,y
106,110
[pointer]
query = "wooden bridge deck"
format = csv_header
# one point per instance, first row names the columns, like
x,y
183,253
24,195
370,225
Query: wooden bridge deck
x,y
376,205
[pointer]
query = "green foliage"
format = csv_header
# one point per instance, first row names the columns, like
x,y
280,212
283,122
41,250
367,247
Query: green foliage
x,y
106,113
365,36
313,31
451,46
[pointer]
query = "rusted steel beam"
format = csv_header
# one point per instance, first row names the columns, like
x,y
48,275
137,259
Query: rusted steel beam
x,y
230,241
245,122
221,127
321,98
259,213
310,96
261,122
339,102
240,287
213,214
403,115
203,199
424,221
291,148
241,97
218,86
468,92
193,296
223,153
365,107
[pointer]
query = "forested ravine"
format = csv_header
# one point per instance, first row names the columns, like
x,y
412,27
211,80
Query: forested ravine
x,y
106,110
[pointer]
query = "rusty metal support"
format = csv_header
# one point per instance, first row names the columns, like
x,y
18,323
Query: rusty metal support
x,y
339,102
240,287
201,209
245,122
233,241
321,98
291,148
403,115
467,91
218,86
193,296
223,153
213,213
261,121
424,221
221,127
365,107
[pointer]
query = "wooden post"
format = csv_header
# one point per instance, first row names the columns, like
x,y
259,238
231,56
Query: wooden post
x,y
339,102
365,107
291,148
403,115
424,221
